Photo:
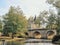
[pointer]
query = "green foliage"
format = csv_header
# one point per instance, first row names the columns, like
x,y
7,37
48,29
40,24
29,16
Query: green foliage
x,y
52,23
58,25
56,3
42,18
14,21
0,26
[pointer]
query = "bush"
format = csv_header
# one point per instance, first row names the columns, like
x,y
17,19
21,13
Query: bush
x,y
55,38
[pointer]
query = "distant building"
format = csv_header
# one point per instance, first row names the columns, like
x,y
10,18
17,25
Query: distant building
x,y
32,24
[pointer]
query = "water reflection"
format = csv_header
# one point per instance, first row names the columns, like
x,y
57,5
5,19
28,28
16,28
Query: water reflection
x,y
14,43
21,43
40,44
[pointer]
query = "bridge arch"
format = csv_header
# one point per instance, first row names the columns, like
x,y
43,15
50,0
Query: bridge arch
x,y
26,34
42,33
50,34
37,34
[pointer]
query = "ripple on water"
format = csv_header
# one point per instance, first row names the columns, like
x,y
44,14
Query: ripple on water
x,y
21,43
39,44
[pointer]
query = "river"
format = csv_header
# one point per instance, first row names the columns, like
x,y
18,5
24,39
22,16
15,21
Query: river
x,y
29,42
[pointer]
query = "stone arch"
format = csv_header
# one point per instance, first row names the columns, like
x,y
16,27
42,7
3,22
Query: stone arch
x,y
36,34
50,34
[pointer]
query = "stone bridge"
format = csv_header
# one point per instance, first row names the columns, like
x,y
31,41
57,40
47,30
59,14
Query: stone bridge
x,y
41,33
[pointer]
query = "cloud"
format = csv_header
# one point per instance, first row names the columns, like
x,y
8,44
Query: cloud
x,y
32,7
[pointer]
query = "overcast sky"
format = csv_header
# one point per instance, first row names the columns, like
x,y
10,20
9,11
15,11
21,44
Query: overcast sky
x,y
29,7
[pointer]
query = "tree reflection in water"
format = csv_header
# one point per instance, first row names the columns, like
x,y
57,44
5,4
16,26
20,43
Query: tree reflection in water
x,y
14,43
21,43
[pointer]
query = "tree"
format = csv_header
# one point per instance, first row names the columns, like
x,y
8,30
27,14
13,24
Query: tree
x,y
0,26
42,19
14,21
56,4
52,21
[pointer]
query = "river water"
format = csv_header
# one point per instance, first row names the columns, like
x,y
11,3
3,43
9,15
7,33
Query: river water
x,y
27,42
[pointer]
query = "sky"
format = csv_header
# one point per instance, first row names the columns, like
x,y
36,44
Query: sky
x,y
29,7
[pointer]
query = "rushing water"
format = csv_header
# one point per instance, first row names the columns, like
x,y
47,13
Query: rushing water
x,y
21,43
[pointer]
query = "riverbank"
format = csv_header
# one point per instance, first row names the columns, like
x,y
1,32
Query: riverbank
x,y
10,39
16,39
